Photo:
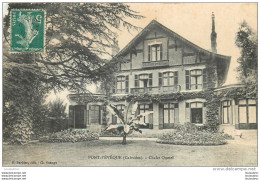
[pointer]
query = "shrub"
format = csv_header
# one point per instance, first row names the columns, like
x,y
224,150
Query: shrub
x,y
57,117
75,135
21,132
17,125
112,133
189,134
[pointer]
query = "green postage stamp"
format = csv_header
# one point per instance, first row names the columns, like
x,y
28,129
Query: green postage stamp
x,y
27,30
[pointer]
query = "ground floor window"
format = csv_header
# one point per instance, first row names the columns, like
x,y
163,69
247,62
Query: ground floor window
x,y
227,112
196,112
94,114
169,115
247,111
147,118
121,108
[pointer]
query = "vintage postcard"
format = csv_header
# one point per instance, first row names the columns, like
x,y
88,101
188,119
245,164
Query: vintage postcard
x,y
130,84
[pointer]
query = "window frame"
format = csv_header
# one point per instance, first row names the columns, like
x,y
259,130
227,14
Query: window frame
x,y
174,78
142,108
149,80
123,83
158,52
188,79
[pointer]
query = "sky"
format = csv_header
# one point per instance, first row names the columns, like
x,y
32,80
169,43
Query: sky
x,y
193,22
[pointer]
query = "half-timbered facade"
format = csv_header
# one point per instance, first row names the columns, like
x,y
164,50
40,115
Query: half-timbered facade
x,y
168,75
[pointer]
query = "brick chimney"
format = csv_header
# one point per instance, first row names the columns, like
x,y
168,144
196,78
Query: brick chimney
x,y
213,35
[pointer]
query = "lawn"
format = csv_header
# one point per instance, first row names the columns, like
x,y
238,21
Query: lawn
x,y
238,152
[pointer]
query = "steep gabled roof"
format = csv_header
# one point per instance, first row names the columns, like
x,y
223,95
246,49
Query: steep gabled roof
x,y
223,61
154,24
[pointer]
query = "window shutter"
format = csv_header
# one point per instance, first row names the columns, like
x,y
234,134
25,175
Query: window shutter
x,y
151,107
151,80
71,116
138,109
161,52
176,78
187,75
114,87
136,81
176,105
126,84
160,79
204,78
187,105
149,53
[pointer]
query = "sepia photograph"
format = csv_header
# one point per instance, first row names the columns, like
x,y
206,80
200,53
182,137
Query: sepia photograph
x,y
120,84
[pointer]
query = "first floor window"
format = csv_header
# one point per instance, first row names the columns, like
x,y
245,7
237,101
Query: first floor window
x,y
122,84
195,79
168,80
144,80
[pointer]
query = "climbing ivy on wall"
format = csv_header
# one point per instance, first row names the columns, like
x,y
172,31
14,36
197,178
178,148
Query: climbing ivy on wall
x,y
178,96
213,104
212,100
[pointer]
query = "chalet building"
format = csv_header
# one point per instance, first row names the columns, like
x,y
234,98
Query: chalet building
x,y
168,75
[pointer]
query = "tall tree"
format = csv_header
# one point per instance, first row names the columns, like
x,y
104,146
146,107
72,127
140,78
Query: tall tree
x,y
246,41
78,36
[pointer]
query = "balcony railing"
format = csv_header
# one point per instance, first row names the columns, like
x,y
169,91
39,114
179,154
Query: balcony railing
x,y
162,89
155,63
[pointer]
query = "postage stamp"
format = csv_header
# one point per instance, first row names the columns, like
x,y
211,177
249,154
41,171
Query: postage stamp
x,y
27,30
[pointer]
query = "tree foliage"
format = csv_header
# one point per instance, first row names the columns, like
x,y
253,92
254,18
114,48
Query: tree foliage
x,y
77,38
57,116
23,97
246,41
57,108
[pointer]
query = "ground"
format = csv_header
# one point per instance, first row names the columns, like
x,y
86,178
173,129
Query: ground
x,y
238,152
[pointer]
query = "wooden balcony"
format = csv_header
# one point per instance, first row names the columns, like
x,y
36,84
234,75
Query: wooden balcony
x,y
156,90
150,64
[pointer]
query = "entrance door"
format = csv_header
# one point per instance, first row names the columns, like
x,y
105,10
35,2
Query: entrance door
x,y
79,116
196,115
168,115
94,114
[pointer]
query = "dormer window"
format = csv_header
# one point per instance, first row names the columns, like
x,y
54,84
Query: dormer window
x,y
155,52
